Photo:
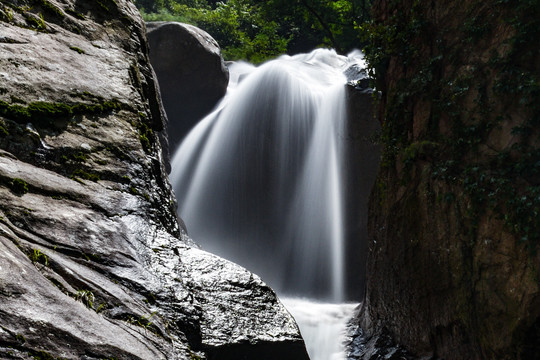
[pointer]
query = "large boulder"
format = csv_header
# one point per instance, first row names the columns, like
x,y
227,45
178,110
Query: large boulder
x,y
192,74
93,262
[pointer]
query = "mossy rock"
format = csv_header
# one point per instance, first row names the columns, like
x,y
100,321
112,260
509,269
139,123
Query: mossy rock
x,y
19,186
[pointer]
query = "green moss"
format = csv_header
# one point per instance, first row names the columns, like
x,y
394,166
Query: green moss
x,y
19,186
79,157
20,338
6,14
76,14
3,129
103,6
145,134
36,22
79,173
78,50
37,256
145,143
49,110
45,114
42,355
133,190
118,152
50,8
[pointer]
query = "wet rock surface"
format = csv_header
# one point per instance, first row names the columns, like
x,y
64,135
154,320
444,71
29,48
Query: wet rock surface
x,y
376,347
192,74
93,262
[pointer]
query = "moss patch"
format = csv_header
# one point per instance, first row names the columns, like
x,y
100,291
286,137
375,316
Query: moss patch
x,y
49,8
78,50
75,14
46,115
19,186
145,134
37,256
3,129
81,174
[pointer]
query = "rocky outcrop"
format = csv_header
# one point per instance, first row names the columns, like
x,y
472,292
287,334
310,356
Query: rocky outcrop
x,y
93,262
453,262
192,74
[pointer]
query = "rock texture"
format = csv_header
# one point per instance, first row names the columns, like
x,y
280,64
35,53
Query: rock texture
x,y
192,74
453,263
362,162
93,262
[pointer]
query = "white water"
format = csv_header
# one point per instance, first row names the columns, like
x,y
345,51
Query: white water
x,y
323,326
259,182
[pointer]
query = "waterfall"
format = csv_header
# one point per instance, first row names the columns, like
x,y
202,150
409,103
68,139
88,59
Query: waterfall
x,y
259,180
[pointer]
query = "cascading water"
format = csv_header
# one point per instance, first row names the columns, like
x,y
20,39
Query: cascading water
x,y
259,181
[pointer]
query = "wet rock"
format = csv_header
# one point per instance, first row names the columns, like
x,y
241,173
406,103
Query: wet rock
x,y
93,262
375,347
192,74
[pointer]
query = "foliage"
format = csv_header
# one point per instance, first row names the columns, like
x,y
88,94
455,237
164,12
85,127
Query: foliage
x,y
257,30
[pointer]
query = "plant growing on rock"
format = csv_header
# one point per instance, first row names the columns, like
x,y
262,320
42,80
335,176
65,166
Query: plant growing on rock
x,y
86,297
37,256
19,186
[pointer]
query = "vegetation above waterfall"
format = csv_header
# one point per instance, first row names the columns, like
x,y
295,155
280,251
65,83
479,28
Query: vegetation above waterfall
x,y
257,30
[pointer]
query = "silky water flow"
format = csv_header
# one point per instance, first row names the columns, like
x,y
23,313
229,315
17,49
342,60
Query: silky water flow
x,y
259,182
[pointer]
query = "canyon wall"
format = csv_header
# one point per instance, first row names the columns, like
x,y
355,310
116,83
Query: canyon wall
x,y
453,266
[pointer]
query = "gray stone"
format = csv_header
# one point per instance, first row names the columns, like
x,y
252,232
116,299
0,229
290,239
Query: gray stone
x,y
93,262
192,74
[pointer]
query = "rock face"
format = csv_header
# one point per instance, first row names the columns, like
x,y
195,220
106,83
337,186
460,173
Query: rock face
x,y
362,163
453,263
192,74
93,262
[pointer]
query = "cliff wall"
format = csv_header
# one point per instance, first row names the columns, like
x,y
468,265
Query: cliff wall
x,y
453,267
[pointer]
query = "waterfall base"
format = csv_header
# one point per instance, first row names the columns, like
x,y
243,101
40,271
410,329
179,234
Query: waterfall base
x,y
323,326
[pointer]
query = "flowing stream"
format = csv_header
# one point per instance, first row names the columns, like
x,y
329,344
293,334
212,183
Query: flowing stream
x,y
259,182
